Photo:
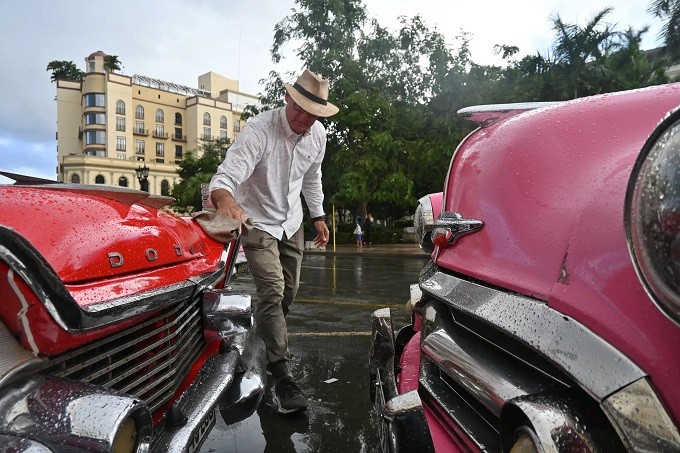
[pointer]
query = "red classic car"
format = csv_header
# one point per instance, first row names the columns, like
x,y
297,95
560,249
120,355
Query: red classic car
x,y
548,319
119,329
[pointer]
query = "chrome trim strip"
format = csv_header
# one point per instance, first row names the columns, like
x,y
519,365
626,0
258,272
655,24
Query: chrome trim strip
x,y
563,341
487,114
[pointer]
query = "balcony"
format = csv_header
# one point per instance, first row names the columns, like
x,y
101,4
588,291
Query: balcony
x,y
158,134
144,132
179,137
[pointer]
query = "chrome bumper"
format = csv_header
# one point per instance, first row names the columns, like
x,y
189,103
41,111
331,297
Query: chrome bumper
x,y
221,383
402,423
51,413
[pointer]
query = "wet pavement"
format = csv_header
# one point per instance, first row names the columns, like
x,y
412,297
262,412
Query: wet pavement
x,y
329,328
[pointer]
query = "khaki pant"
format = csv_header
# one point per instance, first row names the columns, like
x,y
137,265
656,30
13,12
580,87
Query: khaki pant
x,y
275,267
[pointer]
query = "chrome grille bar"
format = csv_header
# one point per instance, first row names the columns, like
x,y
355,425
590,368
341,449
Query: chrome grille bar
x,y
148,360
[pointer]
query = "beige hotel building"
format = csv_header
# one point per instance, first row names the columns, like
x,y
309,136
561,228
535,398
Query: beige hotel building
x,y
109,125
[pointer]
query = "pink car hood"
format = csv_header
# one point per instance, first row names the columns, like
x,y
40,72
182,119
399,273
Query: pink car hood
x,y
549,185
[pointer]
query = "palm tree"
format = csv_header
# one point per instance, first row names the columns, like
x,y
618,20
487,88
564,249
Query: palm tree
x,y
64,70
579,54
112,63
670,33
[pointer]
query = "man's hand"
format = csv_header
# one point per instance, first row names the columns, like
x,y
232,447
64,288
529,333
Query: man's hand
x,y
322,235
225,204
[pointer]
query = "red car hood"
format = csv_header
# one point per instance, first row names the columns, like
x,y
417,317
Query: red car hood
x,y
92,236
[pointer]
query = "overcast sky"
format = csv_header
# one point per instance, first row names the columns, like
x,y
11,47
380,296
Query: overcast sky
x,y
177,41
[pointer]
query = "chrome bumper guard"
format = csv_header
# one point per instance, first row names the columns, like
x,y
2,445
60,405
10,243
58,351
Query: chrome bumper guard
x,y
403,427
233,381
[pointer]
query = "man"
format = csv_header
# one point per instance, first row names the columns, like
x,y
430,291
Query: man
x,y
276,157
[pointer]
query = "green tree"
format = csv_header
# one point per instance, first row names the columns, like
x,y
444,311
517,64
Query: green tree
x,y
64,70
197,167
670,11
112,63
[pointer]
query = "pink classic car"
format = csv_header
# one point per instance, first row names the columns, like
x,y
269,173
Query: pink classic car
x,y
119,330
548,319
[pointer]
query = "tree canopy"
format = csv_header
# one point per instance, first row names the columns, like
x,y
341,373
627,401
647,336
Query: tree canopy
x,y
399,91
66,70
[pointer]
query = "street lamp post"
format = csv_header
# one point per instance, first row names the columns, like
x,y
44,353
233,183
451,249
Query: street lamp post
x,y
142,176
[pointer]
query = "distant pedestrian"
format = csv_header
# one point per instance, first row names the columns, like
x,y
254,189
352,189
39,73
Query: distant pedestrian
x,y
358,234
366,229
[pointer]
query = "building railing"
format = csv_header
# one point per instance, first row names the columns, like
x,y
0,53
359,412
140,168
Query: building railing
x,y
144,132
158,134
179,137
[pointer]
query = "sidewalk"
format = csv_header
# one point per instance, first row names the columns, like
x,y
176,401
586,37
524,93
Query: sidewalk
x,y
402,250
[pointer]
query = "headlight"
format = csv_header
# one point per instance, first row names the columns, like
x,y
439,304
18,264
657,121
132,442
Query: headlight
x,y
423,220
652,215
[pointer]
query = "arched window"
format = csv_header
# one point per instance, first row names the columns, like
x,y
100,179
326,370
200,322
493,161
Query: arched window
x,y
223,122
75,178
160,117
165,187
120,107
206,119
178,118
123,181
139,112
99,179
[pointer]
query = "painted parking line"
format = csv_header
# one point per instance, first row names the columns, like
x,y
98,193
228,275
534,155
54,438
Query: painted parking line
x,y
329,334
358,303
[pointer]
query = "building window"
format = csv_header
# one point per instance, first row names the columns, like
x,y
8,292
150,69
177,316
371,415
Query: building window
x,y
97,152
120,107
206,119
120,123
139,112
178,133
223,122
139,127
95,118
139,146
94,100
95,137
160,149
160,116
178,118
206,133
123,181
178,151
165,187
223,134
120,143
237,126
75,178
99,179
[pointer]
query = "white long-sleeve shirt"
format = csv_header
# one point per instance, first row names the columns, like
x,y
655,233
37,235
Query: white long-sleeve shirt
x,y
268,166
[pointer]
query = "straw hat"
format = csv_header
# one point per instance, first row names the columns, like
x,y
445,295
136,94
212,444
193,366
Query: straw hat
x,y
310,92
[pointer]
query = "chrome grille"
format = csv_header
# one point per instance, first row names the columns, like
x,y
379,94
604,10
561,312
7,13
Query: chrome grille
x,y
147,360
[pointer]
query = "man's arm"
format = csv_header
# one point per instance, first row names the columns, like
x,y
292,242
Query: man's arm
x,y
225,204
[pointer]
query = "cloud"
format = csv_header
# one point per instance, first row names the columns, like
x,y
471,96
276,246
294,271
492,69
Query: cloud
x,y
178,40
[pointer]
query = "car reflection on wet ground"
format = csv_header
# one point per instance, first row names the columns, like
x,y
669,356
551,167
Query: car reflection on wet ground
x,y
329,328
